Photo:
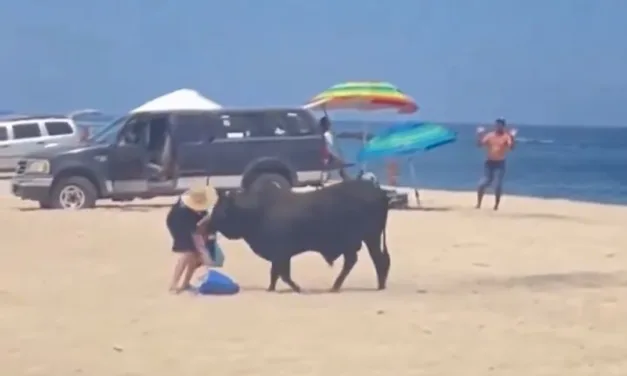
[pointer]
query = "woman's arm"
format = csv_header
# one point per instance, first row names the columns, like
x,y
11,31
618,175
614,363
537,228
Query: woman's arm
x,y
201,247
201,236
202,226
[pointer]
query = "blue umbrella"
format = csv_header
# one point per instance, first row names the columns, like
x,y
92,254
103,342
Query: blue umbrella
x,y
406,139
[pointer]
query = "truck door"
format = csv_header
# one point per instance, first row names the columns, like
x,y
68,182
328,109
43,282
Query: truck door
x,y
163,164
128,162
230,150
191,135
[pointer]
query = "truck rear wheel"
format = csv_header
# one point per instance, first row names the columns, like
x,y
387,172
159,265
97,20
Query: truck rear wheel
x,y
265,180
45,205
73,193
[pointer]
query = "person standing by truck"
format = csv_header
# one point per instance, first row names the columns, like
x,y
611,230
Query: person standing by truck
x,y
334,155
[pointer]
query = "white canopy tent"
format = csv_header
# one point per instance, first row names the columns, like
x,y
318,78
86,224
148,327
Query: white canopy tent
x,y
179,100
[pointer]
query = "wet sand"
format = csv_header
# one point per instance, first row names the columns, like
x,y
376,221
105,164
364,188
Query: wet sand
x,y
538,288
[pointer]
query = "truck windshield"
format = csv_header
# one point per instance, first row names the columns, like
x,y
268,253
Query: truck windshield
x,y
108,134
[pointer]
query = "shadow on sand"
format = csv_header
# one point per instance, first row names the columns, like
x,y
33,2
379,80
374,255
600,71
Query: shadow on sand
x,y
554,281
310,291
533,282
549,216
134,207
127,207
425,208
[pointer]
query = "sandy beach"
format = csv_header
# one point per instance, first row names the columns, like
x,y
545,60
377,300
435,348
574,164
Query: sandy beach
x,y
536,289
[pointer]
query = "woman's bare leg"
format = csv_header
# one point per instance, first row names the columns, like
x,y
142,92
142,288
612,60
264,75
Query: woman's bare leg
x,y
201,247
179,268
194,262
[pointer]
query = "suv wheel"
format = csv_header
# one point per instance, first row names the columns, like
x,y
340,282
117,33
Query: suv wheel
x,y
73,193
264,180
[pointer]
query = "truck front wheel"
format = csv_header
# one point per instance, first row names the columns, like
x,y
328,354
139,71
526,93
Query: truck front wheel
x,y
73,193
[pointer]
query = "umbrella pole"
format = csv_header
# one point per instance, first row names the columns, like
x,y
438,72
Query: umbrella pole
x,y
414,182
364,141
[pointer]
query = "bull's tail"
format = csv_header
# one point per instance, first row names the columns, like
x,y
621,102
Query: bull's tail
x,y
383,263
384,245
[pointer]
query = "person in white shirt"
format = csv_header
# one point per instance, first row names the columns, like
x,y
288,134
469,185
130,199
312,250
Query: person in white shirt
x,y
334,155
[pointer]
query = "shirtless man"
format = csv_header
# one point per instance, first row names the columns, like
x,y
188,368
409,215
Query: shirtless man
x,y
497,143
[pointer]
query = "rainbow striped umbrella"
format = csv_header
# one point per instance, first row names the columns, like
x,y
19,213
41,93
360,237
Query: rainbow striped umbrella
x,y
363,96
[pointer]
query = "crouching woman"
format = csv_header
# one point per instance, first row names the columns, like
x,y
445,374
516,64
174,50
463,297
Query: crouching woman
x,y
187,241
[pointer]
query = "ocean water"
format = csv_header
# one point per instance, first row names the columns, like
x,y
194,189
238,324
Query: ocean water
x,y
576,163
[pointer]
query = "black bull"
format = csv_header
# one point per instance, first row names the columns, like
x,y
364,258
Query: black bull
x,y
333,221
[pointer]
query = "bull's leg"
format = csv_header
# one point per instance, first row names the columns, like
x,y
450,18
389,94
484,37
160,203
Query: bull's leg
x,y
350,259
274,276
285,272
380,260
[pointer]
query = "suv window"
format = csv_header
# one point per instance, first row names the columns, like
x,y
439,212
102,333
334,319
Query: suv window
x,y
58,128
269,124
26,130
296,124
266,124
4,134
192,128
238,125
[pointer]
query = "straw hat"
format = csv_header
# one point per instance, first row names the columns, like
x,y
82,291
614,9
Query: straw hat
x,y
200,198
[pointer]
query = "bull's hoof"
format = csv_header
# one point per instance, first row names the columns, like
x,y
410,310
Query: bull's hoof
x,y
296,289
271,289
335,289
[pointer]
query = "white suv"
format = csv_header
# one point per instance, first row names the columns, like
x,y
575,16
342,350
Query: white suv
x,y
22,135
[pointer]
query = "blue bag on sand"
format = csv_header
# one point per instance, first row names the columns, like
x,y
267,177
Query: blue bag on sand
x,y
216,283
216,254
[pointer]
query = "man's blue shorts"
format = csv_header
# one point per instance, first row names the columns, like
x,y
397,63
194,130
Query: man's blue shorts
x,y
494,171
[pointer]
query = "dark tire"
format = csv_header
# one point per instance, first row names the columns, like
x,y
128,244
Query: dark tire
x,y
265,180
73,193
45,205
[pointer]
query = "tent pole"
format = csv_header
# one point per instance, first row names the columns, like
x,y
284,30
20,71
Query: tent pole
x,y
364,141
412,172
324,175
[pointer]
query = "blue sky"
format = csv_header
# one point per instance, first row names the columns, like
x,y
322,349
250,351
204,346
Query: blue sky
x,y
532,61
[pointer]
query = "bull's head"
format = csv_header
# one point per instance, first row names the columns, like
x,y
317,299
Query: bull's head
x,y
234,215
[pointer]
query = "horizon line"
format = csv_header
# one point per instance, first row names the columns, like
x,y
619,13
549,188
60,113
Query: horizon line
x,y
470,123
